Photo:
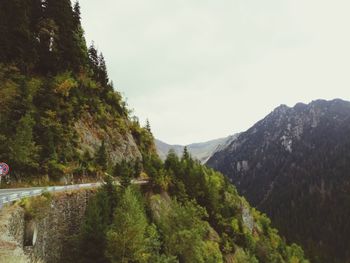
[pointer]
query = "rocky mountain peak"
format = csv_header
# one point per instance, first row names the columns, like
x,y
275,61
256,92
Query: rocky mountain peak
x,y
283,108
294,165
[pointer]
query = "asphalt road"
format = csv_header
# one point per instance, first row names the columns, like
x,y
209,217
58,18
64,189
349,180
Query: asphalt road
x,y
13,194
6,192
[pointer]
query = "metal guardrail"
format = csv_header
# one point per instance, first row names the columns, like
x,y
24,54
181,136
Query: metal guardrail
x,y
11,197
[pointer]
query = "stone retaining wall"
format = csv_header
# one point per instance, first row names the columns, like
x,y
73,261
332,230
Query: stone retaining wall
x,y
45,232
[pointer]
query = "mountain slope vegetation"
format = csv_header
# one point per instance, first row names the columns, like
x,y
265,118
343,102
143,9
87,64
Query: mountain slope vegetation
x,y
294,166
62,119
58,107
187,213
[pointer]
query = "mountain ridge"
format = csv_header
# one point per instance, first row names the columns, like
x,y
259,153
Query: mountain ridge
x,y
200,150
62,118
293,165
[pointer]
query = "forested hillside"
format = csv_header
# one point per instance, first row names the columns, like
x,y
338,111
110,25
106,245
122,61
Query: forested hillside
x,y
294,166
61,118
187,213
60,115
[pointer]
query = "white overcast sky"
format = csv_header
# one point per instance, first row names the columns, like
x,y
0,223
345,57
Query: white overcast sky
x,y
200,69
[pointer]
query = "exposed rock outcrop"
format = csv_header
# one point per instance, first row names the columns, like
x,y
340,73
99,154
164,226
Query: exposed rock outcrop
x,y
119,142
294,165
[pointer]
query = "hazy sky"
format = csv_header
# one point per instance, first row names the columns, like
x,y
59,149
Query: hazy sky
x,y
201,69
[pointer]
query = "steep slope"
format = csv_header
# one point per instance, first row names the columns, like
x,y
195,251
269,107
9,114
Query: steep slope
x,y
188,213
61,118
200,151
295,166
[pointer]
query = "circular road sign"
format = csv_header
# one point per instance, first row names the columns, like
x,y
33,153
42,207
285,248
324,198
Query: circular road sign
x,y
4,169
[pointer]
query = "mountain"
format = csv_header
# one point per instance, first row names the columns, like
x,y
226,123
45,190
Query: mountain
x,y
163,149
295,166
200,151
61,119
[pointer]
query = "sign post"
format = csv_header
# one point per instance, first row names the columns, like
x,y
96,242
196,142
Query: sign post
x,y
4,170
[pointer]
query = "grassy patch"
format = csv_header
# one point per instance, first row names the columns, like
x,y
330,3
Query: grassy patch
x,y
36,207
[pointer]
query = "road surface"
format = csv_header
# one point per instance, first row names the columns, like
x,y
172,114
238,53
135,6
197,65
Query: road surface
x,y
13,194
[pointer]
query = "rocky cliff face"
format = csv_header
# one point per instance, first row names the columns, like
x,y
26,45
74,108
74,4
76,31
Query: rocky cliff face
x,y
119,141
295,165
42,231
11,236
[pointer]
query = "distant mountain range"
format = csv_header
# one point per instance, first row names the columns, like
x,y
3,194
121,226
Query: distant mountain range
x,y
295,166
201,151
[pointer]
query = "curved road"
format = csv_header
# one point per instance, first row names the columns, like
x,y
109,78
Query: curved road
x,y
13,194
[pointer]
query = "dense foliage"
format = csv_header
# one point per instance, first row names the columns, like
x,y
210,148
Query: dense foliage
x,y
49,80
187,213
42,36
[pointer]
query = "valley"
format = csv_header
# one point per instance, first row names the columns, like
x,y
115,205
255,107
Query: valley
x,y
84,178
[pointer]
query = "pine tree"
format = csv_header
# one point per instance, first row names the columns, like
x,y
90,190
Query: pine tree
x,y
93,58
124,171
51,149
23,151
112,195
76,14
60,13
126,240
16,42
137,168
185,154
43,35
125,175
69,43
172,161
102,71
101,157
92,234
148,126
80,48
47,47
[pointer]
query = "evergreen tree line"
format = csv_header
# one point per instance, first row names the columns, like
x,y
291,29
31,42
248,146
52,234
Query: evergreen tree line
x,y
187,213
50,80
38,117
42,36
45,37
